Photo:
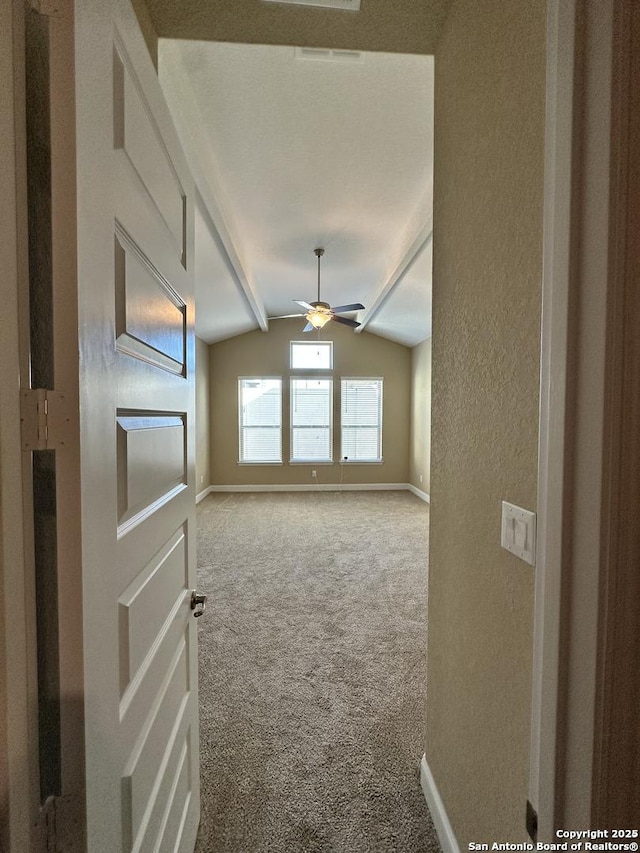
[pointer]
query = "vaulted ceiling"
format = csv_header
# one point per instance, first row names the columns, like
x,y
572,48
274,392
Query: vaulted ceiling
x,y
293,149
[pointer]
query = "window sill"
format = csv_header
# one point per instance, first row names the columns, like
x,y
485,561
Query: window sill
x,y
310,462
260,463
362,462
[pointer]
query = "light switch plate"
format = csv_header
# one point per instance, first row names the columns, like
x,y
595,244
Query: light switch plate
x,y
519,532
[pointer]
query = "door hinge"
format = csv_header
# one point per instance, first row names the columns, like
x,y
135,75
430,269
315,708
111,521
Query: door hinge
x,y
45,418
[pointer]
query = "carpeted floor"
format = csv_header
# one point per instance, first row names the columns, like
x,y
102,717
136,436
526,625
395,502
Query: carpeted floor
x,y
312,673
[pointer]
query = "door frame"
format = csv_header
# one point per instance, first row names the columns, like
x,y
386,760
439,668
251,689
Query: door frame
x,y
578,342
30,821
18,759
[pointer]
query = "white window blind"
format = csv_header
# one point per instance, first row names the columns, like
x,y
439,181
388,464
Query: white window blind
x,y
311,419
260,419
361,420
312,355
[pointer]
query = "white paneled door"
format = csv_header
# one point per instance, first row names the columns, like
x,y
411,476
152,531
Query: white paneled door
x,y
136,344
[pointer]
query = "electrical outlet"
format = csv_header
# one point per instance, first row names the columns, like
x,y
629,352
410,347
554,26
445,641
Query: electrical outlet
x,y
314,474
201,479
420,477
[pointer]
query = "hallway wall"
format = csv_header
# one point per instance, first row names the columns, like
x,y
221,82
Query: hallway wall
x,y
489,126
411,26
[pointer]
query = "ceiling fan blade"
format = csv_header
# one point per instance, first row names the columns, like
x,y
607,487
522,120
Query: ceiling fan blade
x,y
284,316
308,328
355,306
345,321
304,304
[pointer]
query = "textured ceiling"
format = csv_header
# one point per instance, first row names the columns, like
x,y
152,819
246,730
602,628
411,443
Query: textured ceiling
x,y
401,26
292,153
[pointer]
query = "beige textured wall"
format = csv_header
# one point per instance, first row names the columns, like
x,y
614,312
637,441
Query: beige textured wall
x,y
489,125
405,26
148,28
267,354
203,417
420,439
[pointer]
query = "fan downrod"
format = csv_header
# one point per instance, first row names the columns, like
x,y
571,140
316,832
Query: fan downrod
x,y
319,252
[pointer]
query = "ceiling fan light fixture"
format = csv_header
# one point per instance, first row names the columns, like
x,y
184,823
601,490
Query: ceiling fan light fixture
x,y
319,313
318,319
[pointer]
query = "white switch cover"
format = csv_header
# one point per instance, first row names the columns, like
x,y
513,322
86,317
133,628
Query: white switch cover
x,y
519,532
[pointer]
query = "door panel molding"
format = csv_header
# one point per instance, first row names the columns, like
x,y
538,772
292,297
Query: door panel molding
x,y
137,134
150,316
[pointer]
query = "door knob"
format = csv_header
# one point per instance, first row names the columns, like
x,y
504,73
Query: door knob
x,y
198,603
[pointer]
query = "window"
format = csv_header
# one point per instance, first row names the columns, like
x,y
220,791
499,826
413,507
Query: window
x,y
311,419
361,420
260,419
312,355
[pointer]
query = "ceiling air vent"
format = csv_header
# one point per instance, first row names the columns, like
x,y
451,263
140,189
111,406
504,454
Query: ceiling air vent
x,y
352,5
326,55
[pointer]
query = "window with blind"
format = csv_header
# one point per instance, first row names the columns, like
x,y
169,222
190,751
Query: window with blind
x,y
311,403
260,419
361,420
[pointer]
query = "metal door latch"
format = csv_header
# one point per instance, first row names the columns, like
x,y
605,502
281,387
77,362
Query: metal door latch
x,y
198,603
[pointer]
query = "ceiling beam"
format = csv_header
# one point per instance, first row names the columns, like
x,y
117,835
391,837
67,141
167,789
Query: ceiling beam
x,y
421,239
220,232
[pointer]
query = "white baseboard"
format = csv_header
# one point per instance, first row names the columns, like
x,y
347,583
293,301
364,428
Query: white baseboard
x,y
202,495
419,493
313,487
447,838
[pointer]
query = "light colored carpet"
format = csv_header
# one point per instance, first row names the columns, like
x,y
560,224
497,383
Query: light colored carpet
x,y
312,673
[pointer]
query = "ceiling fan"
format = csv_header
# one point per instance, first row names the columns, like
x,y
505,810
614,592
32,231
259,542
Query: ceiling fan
x,y
319,313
